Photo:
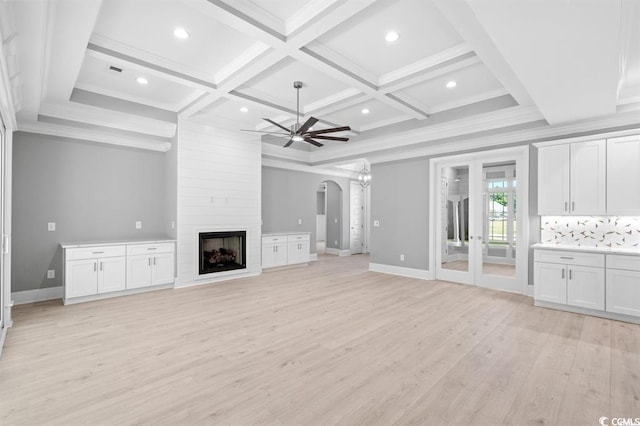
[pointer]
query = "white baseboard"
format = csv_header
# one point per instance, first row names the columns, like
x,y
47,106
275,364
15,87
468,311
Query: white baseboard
x,y
313,257
337,252
37,295
399,270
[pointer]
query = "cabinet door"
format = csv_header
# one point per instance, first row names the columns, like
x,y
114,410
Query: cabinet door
x,y
550,282
623,173
111,274
585,287
162,268
138,271
588,178
623,292
553,180
280,256
81,278
268,255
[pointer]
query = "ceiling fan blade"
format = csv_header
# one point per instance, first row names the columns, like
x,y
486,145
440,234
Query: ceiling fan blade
x,y
307,125
276,124
312,142
286,145
330,138
334,129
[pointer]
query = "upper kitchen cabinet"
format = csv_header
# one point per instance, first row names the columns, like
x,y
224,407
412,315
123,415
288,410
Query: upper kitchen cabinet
x,y
623,176
572,179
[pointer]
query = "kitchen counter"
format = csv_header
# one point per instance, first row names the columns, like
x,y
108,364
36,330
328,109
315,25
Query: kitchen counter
x,y
81,244
634,251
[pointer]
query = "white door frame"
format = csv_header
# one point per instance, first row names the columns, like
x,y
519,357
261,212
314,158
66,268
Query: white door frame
x,y
521,155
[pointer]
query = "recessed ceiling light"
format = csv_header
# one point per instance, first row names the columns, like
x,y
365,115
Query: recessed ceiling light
x,y
143,81
365,110
451,84
181,33
391,36
244,109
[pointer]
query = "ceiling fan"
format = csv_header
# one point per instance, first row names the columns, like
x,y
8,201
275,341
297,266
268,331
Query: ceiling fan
x,y
304,133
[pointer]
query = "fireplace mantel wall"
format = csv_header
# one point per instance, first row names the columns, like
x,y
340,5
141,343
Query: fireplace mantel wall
x,y
219,188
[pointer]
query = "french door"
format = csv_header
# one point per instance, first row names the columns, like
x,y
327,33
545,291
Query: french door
x,y
480,219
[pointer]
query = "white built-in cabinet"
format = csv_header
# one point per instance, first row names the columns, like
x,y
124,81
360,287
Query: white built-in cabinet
x,y
571,278
93,271
623,284
623,176
285,249
572,179
590,178
601,284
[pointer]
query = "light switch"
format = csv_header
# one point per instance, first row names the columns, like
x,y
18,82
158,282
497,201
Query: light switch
x,y
299,221
51,273
138,224
51,226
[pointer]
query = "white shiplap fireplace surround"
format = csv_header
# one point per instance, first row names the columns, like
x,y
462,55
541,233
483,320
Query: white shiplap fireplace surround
x,y
218,189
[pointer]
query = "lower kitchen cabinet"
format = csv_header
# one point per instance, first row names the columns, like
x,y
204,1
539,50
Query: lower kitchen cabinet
x,y
285,249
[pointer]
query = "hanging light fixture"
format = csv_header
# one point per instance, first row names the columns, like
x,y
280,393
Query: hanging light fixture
x,y
364,177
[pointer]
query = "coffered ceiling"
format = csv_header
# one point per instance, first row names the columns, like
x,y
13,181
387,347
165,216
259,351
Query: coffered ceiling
x,y
461,74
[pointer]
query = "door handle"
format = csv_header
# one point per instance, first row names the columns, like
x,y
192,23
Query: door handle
x,y
570,275
154,260
149,261
566,206
95,266
563,273
573,206
101,266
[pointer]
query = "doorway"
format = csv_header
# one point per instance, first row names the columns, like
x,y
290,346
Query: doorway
x,y
321,218
480,223
356,218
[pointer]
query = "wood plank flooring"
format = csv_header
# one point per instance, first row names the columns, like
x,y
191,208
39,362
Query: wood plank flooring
x,y
326,344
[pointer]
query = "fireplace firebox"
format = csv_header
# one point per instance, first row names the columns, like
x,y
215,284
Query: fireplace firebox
x,y
222,251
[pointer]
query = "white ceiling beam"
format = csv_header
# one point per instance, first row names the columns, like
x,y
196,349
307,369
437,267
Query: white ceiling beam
x,y
73,111
566,53
463,19
68,32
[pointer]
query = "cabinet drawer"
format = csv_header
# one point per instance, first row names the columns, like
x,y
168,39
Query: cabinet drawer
x,y
628,263
569,258
134,249
274,239
298,238
93,252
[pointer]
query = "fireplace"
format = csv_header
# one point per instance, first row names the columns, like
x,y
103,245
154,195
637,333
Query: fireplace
x,y
222,251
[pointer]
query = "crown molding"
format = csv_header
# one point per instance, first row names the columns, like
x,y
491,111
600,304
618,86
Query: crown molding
x,y
51,129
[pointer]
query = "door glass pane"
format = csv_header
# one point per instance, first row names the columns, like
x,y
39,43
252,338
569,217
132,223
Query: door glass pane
x,y
455,218
499,220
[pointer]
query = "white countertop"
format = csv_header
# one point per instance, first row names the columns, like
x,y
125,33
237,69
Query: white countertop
x,y
275,234
587,249
112,243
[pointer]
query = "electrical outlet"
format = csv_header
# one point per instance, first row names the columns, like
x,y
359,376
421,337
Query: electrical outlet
x,y
138,224
51,226
402,258
335,220
376,223
51,273
335,242
299,221
173,224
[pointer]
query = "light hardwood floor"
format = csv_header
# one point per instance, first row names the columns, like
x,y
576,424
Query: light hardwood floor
x,y
329,343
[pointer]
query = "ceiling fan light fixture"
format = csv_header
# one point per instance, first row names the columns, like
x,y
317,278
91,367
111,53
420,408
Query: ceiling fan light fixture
x,y
297,138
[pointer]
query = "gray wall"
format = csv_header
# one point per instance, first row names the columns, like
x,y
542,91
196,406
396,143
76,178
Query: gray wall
x,y
289,195
400,201
334,214
91,191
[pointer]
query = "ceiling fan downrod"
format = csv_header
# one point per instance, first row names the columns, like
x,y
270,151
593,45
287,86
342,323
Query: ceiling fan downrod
x,y
297,85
